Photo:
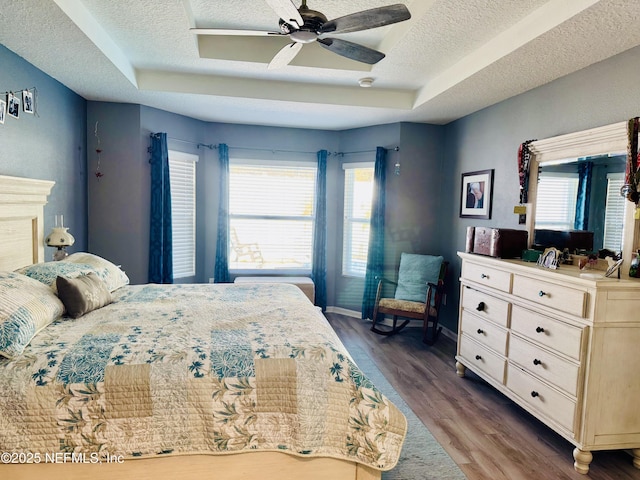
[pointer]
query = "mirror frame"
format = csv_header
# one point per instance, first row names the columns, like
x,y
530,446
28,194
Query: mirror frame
x,y
596,141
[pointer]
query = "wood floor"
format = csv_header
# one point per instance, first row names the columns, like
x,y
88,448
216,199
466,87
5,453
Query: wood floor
x,y
485,433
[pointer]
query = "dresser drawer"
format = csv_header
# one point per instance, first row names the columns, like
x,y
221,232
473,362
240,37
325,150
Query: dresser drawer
x,y
542,397
486,333
546,331
558,371
482,358
486,306
488,276
558,297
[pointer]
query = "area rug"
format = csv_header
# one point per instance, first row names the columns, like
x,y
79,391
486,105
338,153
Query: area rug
x,y
422,457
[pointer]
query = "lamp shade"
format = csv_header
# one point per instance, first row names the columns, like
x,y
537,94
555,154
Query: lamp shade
x,y
59,237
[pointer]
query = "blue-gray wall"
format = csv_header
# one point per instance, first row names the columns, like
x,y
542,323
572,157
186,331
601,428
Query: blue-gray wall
x,y
48,145
116,203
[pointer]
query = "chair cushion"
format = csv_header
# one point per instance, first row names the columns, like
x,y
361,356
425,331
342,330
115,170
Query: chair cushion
x,y
405,305
414,274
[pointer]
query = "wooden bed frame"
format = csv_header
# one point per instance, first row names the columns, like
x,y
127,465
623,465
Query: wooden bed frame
x,y
22,203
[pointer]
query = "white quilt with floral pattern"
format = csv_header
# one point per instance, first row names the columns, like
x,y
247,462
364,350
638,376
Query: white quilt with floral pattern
x,y
186,369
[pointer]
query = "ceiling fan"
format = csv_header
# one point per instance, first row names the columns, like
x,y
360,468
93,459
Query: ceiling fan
x,y
303,25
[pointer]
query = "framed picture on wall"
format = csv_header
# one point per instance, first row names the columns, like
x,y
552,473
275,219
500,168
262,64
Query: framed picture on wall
x,y
14,105
3,110
476,194
27,101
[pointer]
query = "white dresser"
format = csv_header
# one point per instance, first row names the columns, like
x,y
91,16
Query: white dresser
x,y
565,348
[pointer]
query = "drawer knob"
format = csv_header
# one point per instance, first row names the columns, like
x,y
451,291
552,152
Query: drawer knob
x,y
537,362
484,276
480,306
541,293
480,331
478,357
539,329
535,394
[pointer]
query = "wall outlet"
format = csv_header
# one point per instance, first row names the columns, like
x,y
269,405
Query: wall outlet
x,y
211,280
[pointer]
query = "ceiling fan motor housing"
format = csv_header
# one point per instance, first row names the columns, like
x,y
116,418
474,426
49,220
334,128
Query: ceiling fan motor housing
x,y
309,31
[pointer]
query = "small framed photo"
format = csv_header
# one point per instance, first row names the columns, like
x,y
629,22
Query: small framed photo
x,y
27,101
14,105
550,258
3,110
476,194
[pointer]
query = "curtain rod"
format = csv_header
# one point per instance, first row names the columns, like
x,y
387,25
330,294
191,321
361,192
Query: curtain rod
x,y
198,145
342,154
210,146
274,150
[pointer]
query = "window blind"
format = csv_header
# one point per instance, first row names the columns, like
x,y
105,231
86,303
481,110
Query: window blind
x,y
614,212
182,173
271,215
358,194
556,201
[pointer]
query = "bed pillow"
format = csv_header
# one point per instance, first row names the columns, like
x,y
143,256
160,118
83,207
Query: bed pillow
x,y
75,265
26,307
110,274
82,294
47,272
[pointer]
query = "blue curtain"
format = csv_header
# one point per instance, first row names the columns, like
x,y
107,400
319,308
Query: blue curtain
x,y
221,273
160,234
375,256
581,221
319,262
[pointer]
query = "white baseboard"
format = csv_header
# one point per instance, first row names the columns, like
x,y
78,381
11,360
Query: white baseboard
x,y
344,311
388,321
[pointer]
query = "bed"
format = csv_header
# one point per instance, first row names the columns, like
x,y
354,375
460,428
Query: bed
x,y
175,381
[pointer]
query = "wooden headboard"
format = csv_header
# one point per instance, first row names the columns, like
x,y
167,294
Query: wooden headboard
x,y
22,202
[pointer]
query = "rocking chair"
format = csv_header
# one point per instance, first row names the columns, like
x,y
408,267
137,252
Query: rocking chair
x,y
418,296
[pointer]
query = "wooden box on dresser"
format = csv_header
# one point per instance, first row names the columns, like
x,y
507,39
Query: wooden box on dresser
x,y
564,347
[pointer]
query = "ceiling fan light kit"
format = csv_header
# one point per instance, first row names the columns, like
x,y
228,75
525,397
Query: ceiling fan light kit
x,y
304,25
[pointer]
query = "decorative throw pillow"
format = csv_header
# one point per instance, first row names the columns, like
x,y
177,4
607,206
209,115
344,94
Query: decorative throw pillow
x,y
413,275
83,294
110,274
26,307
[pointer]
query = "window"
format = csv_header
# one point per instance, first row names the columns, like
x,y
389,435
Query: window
x,y
358,194
182,173
556,205
271,215
614,212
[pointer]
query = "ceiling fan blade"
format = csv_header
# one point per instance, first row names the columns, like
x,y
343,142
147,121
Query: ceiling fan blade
x,y
285,55
224,31
352,50
373,18
287,11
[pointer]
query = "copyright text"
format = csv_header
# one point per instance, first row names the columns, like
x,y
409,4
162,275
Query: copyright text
x,y
59,457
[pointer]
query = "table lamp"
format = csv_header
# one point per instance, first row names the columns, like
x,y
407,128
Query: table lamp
x,y
59,238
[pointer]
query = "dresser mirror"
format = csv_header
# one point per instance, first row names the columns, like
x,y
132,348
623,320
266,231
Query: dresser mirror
x,y
582,195
603,145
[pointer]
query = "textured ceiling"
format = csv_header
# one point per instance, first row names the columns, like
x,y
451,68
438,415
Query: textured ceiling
x,y
451,59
